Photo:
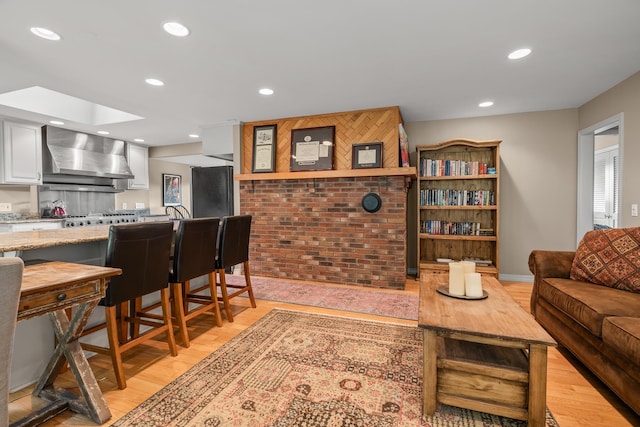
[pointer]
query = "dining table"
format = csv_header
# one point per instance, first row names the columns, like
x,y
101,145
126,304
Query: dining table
x,y
67,293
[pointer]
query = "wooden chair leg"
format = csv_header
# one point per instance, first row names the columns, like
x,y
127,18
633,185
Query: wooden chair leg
x,y
114,346
122,312
214,298
136,306
178,311
225,295
166,314
247,279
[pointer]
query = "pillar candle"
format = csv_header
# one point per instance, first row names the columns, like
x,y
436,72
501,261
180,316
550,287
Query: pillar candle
x,y
468,266
473,284
456,279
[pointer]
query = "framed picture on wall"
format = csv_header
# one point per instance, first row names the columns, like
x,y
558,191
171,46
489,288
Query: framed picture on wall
x,y
264,148
171,190
367,155
312,148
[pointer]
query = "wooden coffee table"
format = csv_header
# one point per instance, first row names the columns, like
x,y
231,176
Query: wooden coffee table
x,y
488,355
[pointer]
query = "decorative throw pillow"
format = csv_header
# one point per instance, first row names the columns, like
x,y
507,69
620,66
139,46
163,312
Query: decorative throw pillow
x,y
609,257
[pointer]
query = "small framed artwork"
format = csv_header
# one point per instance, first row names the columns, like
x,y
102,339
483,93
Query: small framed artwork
x,y
264,148
171,190
367,155
312,148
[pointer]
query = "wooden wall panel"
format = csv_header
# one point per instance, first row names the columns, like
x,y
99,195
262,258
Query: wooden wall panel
x,y
352,127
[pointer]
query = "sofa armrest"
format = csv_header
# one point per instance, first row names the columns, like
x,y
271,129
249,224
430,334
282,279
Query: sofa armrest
x,y
548,264
551,263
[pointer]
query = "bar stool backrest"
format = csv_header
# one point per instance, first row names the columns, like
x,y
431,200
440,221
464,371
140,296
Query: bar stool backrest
x,y
233,240
142,251
195,249
10,283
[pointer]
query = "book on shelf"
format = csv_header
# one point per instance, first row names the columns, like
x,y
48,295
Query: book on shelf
x,y
438,167
442,197
438,227
479,261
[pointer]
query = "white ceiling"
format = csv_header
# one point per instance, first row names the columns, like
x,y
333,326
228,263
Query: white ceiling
x,y
436,59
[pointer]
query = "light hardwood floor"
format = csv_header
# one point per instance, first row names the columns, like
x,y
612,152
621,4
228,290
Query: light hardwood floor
x,y
574,396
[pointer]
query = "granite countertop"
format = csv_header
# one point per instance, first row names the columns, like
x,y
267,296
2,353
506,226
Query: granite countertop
x,y
26,240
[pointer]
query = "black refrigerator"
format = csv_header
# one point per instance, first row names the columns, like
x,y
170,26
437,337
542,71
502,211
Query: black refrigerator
x,y
212,191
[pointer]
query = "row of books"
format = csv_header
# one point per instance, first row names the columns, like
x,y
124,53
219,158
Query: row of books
x,y
436,197
437,167
466,228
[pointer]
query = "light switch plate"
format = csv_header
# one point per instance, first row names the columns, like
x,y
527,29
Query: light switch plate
x,y
5,207
634,209
139,205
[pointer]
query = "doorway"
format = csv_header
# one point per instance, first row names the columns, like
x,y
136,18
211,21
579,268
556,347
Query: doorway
x,y
606,180
593,205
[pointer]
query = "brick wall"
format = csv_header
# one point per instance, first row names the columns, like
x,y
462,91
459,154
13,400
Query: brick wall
x,y
316,229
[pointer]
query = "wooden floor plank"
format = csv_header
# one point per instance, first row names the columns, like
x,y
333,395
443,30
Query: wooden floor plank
x,y
576,398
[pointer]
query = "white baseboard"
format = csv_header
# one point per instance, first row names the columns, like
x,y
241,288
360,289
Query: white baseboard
x,y
516,278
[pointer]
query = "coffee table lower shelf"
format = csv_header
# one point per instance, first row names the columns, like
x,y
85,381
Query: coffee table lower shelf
x,y
482,376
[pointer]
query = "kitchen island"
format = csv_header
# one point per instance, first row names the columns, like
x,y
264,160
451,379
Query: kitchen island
x,y
34,340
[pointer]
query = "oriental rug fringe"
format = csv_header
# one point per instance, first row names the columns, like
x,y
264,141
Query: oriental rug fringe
x,y
300,369
352,298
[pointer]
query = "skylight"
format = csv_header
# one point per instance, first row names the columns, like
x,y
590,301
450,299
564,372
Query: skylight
x,y
48,102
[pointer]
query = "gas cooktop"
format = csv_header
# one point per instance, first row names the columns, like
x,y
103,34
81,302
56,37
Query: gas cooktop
x,y
99,219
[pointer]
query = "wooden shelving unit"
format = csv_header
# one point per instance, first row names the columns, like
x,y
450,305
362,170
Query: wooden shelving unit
x,y
458,204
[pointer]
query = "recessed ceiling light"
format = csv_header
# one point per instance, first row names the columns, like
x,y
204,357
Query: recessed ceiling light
x,y
154,82
520,53
56,122
176,29
485,104
194,135
103,132
266,91
139,140
45,33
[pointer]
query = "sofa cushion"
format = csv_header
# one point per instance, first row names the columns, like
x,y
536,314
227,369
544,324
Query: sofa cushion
x,y
609,257
623,335
587,303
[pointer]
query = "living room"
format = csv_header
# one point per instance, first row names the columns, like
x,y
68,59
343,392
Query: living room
x,y
539,198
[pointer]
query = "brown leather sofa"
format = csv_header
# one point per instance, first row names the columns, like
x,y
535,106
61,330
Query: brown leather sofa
x,y
600,325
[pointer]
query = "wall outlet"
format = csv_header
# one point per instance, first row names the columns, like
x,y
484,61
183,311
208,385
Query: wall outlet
x,y
124,205
634,209
139,205
5,207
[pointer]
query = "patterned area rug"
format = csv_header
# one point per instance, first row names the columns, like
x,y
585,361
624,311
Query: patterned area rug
x,y
299,369
368,301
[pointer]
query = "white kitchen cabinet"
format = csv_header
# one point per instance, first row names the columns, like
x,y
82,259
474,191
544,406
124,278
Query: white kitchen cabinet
x,y
138,159
21,148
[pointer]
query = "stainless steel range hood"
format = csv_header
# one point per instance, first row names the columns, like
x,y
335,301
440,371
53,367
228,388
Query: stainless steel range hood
x,y
68,155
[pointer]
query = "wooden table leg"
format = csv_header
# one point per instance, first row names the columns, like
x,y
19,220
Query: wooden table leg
x,y
537,385
67,332
429,372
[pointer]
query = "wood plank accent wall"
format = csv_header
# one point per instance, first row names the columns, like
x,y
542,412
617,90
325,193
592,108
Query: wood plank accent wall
x,y
352,127
316,229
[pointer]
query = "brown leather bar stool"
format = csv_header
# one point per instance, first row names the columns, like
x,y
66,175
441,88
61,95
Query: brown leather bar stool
x,y
142,252
233,249
11,272
194,256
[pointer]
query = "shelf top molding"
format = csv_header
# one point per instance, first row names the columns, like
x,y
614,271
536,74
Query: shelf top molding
x,y
409,172
487,143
